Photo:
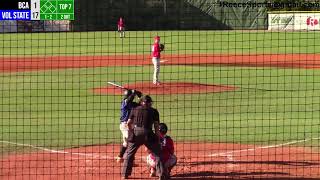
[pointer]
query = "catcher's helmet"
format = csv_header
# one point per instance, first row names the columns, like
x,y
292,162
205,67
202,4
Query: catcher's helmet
x,y
127,93
163,128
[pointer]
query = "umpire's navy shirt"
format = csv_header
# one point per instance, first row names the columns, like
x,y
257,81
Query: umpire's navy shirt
x,y
126,107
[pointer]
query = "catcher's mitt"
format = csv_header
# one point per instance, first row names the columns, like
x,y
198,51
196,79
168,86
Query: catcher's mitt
x,y
161,47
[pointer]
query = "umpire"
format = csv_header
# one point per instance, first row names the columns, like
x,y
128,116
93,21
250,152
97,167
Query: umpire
x,y
141,120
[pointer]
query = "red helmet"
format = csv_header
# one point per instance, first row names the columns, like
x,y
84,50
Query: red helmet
x,y
157,38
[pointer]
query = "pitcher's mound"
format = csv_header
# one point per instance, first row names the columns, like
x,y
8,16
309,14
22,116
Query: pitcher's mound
x,y
165,88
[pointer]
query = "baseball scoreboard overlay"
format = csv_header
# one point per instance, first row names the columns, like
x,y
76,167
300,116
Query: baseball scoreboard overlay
x,y
36,9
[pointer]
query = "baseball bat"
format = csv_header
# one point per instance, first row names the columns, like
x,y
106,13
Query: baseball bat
x,y
117,85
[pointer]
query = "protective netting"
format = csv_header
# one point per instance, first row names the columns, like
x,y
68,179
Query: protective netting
x,y
239,101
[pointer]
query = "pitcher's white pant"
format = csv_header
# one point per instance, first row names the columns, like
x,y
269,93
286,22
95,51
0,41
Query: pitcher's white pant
x,y
124,130
156,69
121,31
172,161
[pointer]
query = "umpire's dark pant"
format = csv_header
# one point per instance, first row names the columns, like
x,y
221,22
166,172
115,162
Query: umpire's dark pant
x,y
130,154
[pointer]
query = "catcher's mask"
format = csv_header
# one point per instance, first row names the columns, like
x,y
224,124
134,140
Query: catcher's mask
x,y
163,128
127,93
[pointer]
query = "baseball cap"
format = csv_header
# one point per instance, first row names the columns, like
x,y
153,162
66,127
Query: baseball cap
x,y
157,38
146,99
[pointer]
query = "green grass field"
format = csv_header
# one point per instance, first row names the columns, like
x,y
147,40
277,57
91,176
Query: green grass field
x,y
139,42
56,109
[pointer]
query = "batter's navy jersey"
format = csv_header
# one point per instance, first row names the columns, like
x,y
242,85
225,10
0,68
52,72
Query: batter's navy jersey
x,y
126,107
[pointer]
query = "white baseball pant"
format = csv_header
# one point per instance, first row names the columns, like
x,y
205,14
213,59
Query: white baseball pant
x,y
156,69
124,130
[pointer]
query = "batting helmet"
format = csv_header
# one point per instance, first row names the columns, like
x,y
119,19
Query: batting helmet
x,y
127,93
163,128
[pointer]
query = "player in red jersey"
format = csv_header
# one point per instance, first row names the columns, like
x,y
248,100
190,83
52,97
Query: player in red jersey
x,y
121,28
168,158
156,49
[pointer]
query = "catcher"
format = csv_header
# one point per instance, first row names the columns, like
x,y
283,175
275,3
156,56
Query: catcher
x,y
168,158
127,104
156,50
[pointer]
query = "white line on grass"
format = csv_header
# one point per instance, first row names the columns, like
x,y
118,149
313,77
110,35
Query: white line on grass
x,y
59,151
262,147
211,155
92,155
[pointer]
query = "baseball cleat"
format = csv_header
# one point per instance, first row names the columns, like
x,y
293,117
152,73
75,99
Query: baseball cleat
x,y
152,173
157,83
119,159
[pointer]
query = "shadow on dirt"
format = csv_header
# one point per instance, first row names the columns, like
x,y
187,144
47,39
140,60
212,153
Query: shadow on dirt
x,y
206,175
288,163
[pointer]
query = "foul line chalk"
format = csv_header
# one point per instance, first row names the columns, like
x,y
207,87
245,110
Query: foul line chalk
x,y
262,147
59,151
92,155
228,153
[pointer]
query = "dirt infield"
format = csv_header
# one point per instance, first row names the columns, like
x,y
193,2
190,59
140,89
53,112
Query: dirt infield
x,y
16,64
195,161
165,88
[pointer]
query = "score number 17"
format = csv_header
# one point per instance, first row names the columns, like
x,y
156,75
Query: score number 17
x,y
35,15
35,9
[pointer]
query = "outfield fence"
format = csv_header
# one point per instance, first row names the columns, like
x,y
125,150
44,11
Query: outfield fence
x,y
240,101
